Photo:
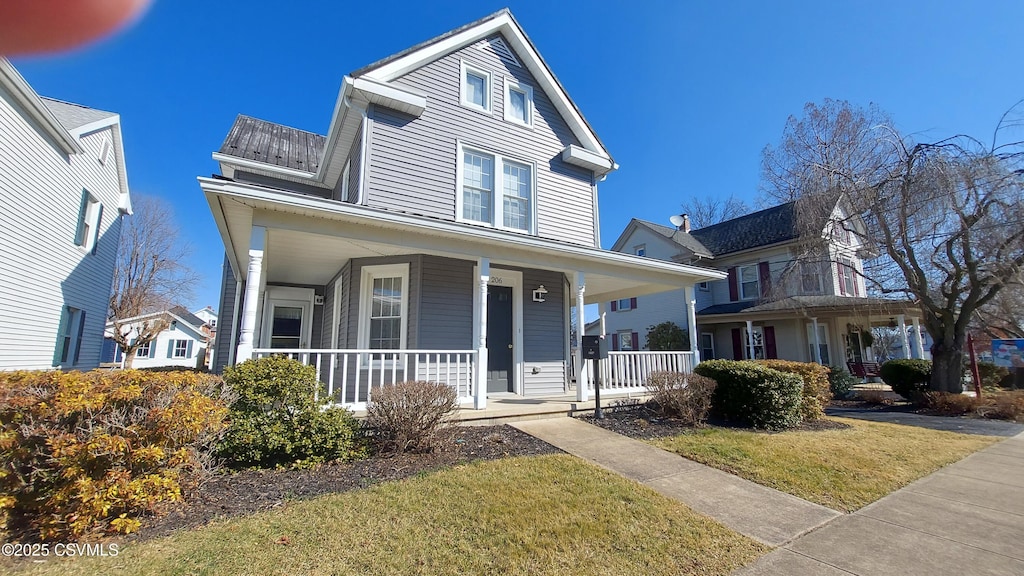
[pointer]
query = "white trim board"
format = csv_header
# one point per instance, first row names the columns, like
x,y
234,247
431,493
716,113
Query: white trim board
x,y
513,278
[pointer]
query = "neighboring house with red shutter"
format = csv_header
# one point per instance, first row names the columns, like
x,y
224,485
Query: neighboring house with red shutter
x,y
775,302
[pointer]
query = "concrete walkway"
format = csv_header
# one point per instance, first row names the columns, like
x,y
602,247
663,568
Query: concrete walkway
x,y
949,423
966,518
761,513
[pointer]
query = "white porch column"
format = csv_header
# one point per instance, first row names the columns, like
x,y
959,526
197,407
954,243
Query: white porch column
x,y
817,340
480,393
691,318
582,381
918,340
750,340
603,307
901,322
257,244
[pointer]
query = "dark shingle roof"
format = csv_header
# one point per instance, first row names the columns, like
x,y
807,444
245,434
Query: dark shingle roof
x,y
72,115
184,314
792,303
262,141
679,237
761,228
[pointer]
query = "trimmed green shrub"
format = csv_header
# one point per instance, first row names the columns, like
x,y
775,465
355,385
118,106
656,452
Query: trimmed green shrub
x,y
683,396
750,393
667,336
992,375
90,452
816,392
840,382
908,378
277,421
409,416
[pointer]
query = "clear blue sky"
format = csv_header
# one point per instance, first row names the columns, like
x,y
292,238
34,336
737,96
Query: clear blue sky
x,y
684,94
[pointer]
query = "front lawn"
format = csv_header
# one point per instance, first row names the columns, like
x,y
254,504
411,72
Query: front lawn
x,y
532,515
844,469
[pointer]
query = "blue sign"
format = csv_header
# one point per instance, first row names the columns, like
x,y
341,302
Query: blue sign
x,y
1008,353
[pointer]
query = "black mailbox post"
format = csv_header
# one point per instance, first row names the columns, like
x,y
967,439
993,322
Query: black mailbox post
x,y
595,348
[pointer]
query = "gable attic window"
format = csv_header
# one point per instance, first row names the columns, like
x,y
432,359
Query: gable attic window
x,y
518,103
749,284
640,250
90,213
475,88
104,152
495,191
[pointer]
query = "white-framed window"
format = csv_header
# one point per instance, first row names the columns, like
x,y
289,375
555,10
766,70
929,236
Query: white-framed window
x,y
810,277
475,88
624,304
72,325
703,286
750,286
625,340
104,152
823,343
344,180
143,351
518,103
848,277
707,346
495,190
90,211
640,250
384,307
840,232
181,348
755,336
336,313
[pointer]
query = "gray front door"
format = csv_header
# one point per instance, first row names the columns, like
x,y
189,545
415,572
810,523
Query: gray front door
x,y
499,339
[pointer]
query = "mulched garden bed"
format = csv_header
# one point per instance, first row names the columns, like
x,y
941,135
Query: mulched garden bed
x,y
237,494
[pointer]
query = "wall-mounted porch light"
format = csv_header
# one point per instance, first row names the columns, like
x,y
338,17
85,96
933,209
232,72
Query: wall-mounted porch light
x,y
538,294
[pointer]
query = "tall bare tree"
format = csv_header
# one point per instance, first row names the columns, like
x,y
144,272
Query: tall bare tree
x,y
712,209
947,217
150,276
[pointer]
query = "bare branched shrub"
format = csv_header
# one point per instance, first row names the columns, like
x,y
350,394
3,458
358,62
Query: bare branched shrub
x,y
409,416
949,404
683,396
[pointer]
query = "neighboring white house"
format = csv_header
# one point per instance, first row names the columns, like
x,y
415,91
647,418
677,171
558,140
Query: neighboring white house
x,y
441,229
775,302
183,343
63,191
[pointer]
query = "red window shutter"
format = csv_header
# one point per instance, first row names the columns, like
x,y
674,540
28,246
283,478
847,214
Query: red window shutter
x,y
734,288
632,303
615,342
842,283
765,276
737,344
636,340
615,305
770,350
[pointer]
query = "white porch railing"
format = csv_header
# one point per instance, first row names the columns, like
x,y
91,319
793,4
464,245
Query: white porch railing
x,y
350,376
627,371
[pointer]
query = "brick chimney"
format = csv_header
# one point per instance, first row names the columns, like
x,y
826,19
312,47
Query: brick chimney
x,y
686,223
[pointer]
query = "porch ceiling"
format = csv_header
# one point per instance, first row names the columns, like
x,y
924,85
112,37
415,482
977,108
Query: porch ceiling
x,y
309,239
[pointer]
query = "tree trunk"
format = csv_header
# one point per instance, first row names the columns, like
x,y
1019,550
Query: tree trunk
x,y
948,367
128,359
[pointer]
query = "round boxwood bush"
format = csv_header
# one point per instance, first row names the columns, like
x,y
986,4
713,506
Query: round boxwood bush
x,y
278,422
840,382
908,378
753,394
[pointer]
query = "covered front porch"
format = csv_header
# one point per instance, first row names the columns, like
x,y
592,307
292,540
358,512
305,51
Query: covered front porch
x,y
372,297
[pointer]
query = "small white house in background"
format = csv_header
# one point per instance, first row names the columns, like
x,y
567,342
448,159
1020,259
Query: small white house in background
x,y
184,343
63,190
208,315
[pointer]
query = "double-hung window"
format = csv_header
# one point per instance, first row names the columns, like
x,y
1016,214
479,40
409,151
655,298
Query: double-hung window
x,y
181,348
143,351
90,212
475,88
810,277
495,191
69,342
707,346
749,285
625,340
383,307
518,103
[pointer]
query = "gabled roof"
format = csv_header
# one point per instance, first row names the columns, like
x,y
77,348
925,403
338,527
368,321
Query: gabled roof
x,y
182,313
258,140
761,228
13,81
73,116
679,237
178,313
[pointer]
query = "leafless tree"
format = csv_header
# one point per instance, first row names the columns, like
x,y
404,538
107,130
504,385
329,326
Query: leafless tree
x,y
712,209
1003,316
945,218
150,276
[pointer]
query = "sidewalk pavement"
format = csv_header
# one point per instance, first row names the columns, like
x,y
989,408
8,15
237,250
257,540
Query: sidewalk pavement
x,y
762,513
966,518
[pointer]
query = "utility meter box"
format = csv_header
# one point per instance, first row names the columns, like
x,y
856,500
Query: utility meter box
x,y
594,348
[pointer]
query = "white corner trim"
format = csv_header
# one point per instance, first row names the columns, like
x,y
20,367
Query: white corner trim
x,y
510,85
584,158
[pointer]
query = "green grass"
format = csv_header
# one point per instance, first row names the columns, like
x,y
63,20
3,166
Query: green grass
x,y
542,515
842,469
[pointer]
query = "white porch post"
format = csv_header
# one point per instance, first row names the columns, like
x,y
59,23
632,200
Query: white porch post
x,y
817,340
257,244
918,340
603,307
582,381
480,393
750,340
691,318
901,322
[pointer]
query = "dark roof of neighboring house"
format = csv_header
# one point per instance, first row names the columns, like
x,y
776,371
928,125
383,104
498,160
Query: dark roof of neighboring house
x,y
679,237
882,305
727,308
761,228
72,115
270,143
187,316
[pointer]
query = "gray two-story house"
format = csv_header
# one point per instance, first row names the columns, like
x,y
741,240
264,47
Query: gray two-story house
x,y
441,229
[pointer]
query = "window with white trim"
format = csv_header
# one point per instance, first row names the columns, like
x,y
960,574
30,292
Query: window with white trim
x,y
756,338
383,307
810,277
640,250
143,351
624,304
181,348
750,287
89,212
703,286
848,277
518,103
475,89
625,340
707,346
72,324
481,177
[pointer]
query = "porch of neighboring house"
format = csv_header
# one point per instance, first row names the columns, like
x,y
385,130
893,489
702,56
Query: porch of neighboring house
x,y
371,298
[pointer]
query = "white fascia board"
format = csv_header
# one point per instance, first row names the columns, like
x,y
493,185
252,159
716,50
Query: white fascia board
x,y
222,226
584,158
389,94
509,28
114,123
14,82
253,164
399,221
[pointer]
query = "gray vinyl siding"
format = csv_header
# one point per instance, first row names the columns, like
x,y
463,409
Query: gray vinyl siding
x,y
412,164
41,268
446,304
225,319
543,334
356,159
271,182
